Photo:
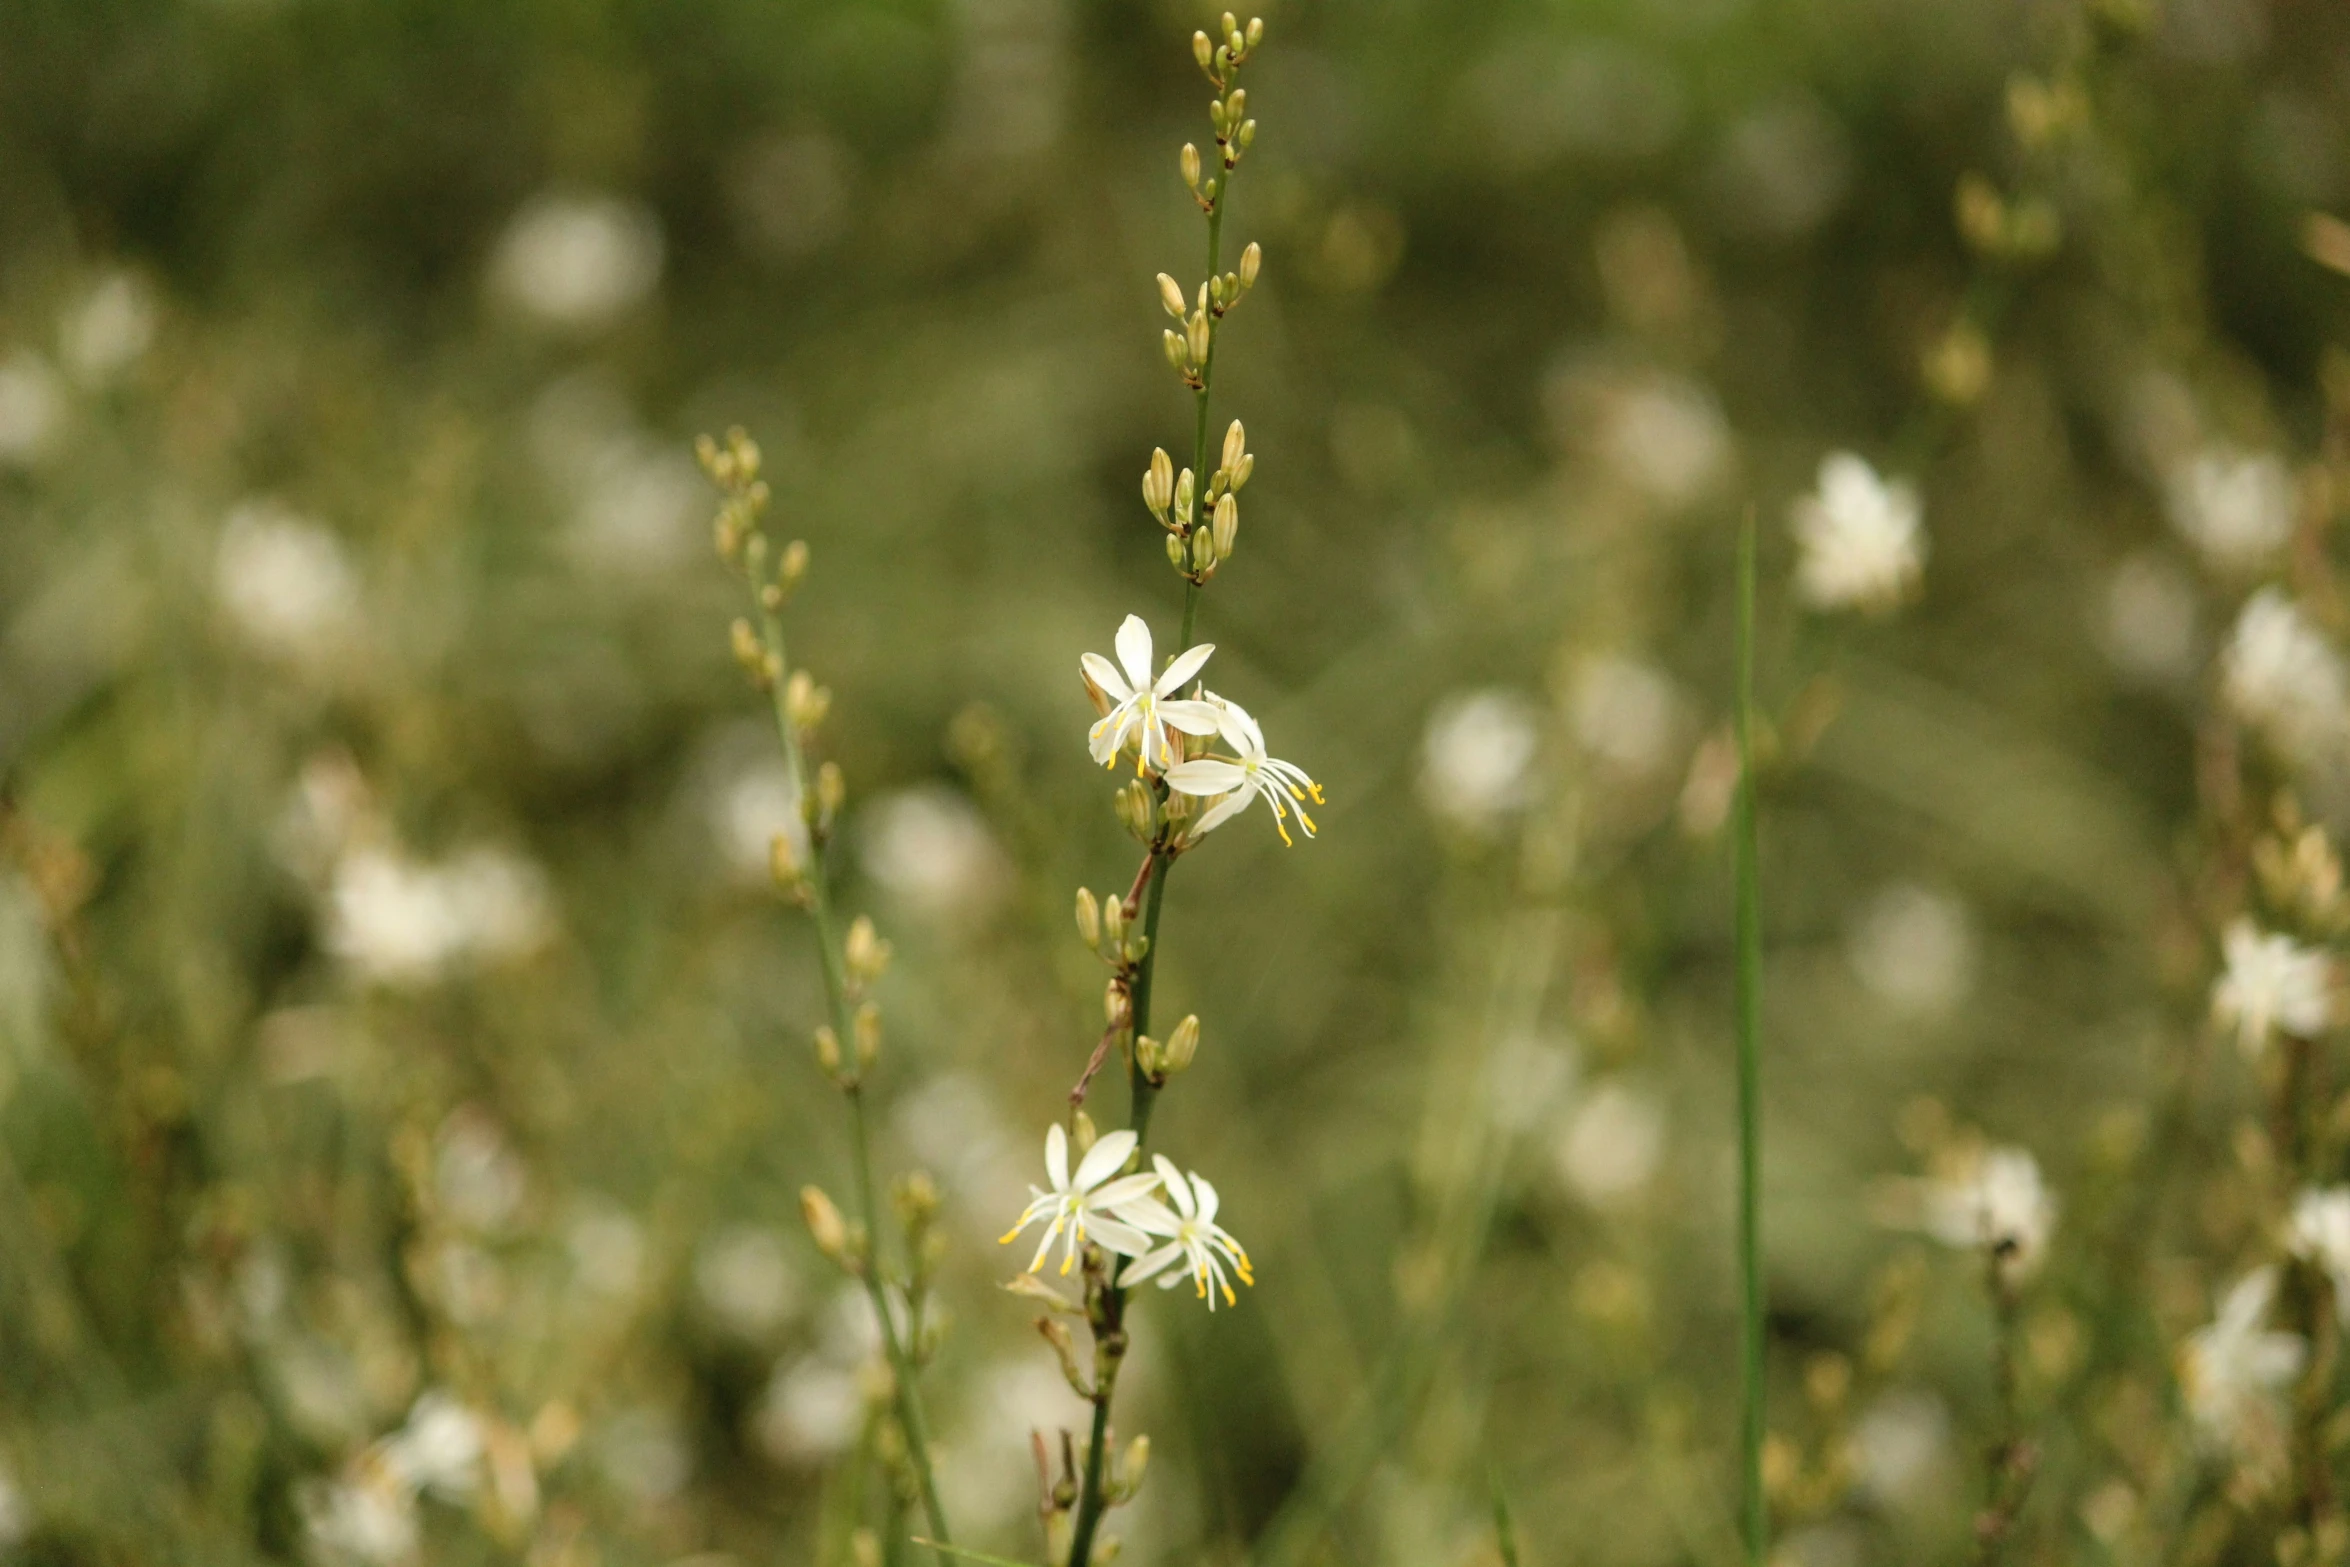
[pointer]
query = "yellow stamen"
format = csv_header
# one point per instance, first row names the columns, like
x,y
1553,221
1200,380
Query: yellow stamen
x,y
1230,1299
1006,1238
1308,820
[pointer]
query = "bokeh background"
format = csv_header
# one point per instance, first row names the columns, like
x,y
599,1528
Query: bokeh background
x,y
392,1002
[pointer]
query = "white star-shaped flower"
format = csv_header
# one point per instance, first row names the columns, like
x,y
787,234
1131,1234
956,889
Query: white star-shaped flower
x,y
2233,1370
1862,543
1192,1237
1141,710
2001,1205
1250,775
1081,1207
2320,1232
2272,982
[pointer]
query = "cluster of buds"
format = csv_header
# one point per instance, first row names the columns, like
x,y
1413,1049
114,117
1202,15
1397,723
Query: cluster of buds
x,y
1219,59
2300,871
914,1197
1057,1493
1194,548
864,958
1162,1060
2026,229
1191,342
1109,928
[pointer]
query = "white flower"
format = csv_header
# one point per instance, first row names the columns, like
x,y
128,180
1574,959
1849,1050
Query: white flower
x,y
1251,775
16,1520
929,848
2236,508
2281,675
1084,1208
2232,1370
370,1519
1478,757
1914,949
1192,1234
284,580
1862,544
2320,1232
2000,1206
397,921
109,330
440,1449
1141,709
746,1280
1611,1146
578,261
2272,982
32,409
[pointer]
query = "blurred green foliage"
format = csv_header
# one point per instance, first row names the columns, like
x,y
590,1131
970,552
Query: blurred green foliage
x,y
390,996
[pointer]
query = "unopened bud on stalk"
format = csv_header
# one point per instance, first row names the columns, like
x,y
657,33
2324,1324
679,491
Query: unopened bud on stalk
x,y
1171,296
727,533
1203,547
1065,1350
1248,465
1114,1003
1191,163
915,1196
804,701
1082,1133
1182,1045
1235,446
1197,336
1256,31
1149,1058
868,1026
1236,103
825,1225
828,1050
1138,1458
793,566
1089,918
1252,261
1183,494
747,651
1114,921
1226,530
1248,134
865,953
1201,50
1176,556
1158,483
831,790
782,864
1134,801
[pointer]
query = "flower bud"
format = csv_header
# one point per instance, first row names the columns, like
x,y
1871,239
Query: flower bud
x,y
747,651
1231,24
793,566
1114,1003
1252,261
1216,116
867,1024
1236,104
1248,465
1089,918
1227,526
727,533
1158,484
1183,493
828,1050
1149,1059
825,1225
1082,1133
1203,546
1138,1458
1191,164
1171,296
1256,31
865,953
831,790
1235,43
1197,337
915,1197
804,701
1134,801
1235,446
1172,342
864,1548
1201,49
1248,134
1064,1350
1114,922
1183,1044
1176,556
782,863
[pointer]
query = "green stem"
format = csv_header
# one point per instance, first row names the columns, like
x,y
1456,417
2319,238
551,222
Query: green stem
x,y
1142,1094
836,997
1749,1012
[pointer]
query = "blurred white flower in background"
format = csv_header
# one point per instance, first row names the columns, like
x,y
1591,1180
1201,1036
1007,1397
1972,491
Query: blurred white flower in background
x,y
635,499
745,1280
2320,1232
284,580
1667,437
1477,756
2271,982
985,1475
2235,507
2148,626
2283,677
578,261
1899,1444
32,409
930,850
2234,1370
440,1449
108,330
1914,949
476,1176
368,1520
753,804
400,921
645,1455
607,1248
1627,713
1860,536
1996,1202
810,1411
1612,1145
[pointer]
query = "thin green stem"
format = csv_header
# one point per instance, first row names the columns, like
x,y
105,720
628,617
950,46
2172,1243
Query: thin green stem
x,y
836,997
1749,1010
1142,1093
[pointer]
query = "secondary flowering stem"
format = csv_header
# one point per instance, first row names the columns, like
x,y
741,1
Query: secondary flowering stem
x,y
836,997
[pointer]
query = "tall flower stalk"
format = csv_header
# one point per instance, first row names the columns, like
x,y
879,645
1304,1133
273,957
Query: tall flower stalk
x,y
1754,1523
849,1044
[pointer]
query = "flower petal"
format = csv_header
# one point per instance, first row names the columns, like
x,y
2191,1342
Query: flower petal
x,y
1102,1160
1209,1202
1144,1268
1208,775
1105,674
1224,810
1177,1187
1193,718
1056,1156
1148,1213
1110,1235
1186,665
1126,1189
1134,651
1239,729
